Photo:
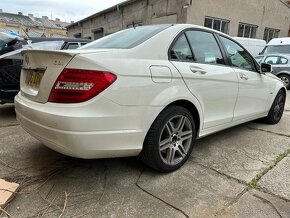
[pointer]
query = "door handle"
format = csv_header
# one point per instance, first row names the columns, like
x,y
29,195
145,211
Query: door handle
x,y
197,70
243,76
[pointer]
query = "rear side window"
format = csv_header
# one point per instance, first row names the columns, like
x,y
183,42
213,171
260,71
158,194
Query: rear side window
x,y
283,61
205,47
239,56
128,38
181,50
73,46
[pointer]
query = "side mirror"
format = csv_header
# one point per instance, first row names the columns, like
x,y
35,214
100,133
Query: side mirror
x,y
266,68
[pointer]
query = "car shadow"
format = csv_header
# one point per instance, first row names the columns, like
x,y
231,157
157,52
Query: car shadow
x,y
7,115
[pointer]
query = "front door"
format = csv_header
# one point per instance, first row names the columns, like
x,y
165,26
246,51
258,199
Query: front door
x,y
198,58
254,90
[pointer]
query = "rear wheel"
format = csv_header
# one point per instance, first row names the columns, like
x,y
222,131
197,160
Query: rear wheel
x,y
277,109
170,139
286,80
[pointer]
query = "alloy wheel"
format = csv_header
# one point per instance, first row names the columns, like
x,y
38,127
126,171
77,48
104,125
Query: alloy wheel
x,y
285,80
175,140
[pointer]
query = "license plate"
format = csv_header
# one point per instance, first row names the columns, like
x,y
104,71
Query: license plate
x,y
33,79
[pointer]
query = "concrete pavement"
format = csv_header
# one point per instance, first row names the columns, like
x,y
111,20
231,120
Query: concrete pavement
x,y
240,172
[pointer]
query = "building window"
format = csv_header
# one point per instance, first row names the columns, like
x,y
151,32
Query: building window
x,y
217,24
270,34
247,30
134,25
78,35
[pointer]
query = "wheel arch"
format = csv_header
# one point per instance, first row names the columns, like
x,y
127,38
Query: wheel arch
x,y
197,116
192,109
284,90
283,73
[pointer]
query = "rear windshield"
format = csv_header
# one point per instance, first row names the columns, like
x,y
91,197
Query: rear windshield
x,y
277,49
128,38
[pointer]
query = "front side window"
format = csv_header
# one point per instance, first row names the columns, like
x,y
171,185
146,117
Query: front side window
x,y
238,56
73,46
181,50
204,47
217,24
272,60
247,30
259,59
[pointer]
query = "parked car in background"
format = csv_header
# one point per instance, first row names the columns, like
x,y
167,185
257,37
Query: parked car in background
x,y
278,46
254,46
148,91
11,61
280,64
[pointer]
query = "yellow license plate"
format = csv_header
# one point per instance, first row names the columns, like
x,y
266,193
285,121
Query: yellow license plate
x,y
33,79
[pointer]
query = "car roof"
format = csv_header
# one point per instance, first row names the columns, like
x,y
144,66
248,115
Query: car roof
x,y
280,41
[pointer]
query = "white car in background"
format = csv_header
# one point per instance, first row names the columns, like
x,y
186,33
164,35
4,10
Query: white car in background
x,y
148,91
278,46
253,46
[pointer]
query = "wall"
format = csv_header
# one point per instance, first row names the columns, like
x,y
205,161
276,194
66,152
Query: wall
x,y
141,11
263,13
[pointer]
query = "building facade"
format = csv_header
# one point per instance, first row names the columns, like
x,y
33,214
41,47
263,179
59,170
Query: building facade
x,y
30,26
262,19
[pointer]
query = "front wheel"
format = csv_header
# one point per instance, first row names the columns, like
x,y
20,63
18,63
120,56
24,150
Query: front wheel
x,y
277,109
169,141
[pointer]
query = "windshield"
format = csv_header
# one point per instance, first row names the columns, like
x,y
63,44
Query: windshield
x,y
128,38
277,49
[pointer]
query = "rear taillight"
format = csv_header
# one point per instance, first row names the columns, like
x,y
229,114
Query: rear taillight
x,y
75,85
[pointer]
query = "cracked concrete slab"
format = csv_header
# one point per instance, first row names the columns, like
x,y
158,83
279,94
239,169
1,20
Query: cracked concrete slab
x,y
257,204
239,152
277,180
283,127
95,188
7,115
21,154
196,190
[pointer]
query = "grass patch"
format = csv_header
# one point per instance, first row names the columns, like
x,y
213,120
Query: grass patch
x,y
279,158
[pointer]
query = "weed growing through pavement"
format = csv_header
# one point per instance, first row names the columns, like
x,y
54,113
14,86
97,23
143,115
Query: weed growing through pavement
x,y
278,159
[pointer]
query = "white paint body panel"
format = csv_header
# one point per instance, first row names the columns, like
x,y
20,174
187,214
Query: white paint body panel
x,y
115,123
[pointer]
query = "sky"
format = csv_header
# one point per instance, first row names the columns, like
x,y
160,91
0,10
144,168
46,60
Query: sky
x,y
66,10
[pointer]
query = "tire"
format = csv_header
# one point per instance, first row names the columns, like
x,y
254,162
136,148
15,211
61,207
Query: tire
x,y
277,109
286,80
169,141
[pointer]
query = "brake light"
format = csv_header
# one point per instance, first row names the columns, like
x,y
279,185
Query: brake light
x,y
75,85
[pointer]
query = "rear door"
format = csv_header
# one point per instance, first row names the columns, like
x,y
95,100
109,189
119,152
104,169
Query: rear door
x,y
197,56
254,88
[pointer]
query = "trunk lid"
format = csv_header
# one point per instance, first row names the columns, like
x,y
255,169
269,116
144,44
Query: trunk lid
x,y
39,71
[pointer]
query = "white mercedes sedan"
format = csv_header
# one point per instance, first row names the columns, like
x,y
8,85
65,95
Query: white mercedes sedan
x,y
149,91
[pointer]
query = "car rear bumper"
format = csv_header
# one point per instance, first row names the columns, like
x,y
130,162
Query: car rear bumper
x,y
106,131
